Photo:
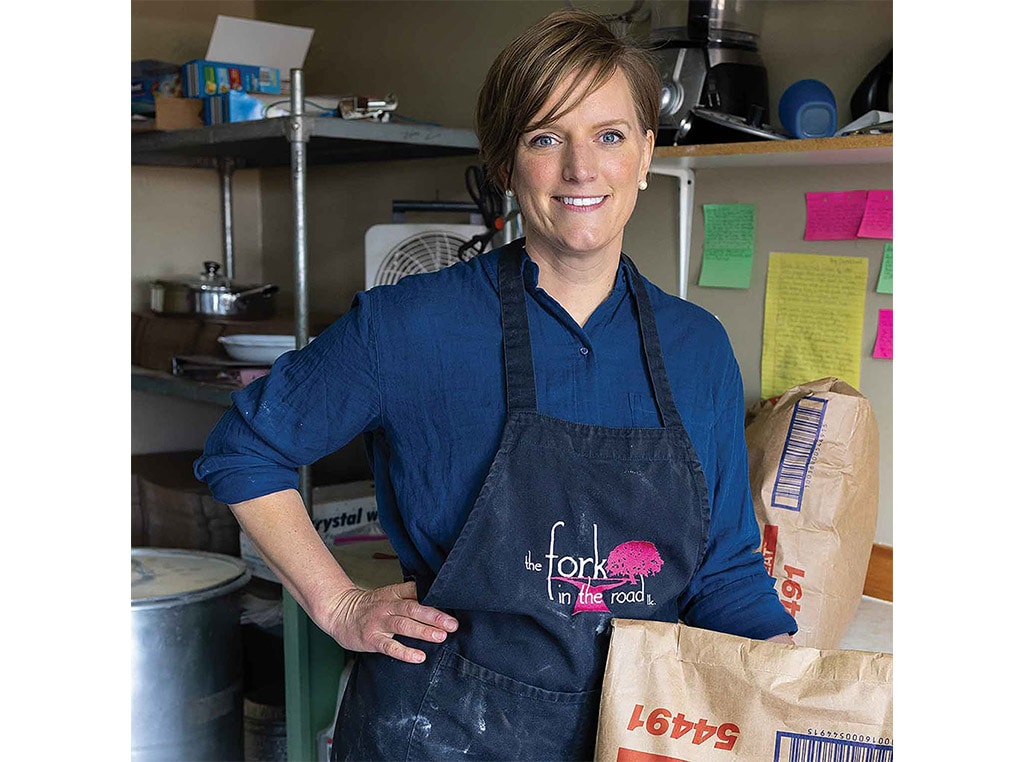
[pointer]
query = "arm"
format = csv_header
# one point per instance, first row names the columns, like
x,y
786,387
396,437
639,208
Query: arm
x,y
312,402
358,619
731,591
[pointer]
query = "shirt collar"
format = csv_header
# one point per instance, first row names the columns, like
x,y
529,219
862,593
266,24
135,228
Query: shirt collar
x,y
531,273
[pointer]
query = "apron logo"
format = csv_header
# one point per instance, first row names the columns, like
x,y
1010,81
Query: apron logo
x,y
597,579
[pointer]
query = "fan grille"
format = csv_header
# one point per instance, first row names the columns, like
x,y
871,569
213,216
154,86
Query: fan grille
x,y
421,253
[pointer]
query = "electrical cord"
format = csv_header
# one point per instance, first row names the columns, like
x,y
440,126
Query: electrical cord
x,y
489,200
305,104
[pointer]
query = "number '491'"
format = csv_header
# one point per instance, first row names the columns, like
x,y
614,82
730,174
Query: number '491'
x,y
660,721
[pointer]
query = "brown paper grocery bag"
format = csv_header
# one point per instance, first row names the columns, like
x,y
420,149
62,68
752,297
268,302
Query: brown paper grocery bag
x,y
673,693
814,478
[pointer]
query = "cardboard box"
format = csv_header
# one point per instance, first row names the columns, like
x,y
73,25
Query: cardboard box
x,y
178,113
201,78
341,513
150,77
173,509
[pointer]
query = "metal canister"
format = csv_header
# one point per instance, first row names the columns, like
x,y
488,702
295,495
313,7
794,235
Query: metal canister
x,y
187,665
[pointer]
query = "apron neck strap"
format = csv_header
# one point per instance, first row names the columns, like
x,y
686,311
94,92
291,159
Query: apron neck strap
x,y
652,351
520,385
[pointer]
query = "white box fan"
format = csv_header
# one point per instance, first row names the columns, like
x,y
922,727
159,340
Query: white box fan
x,y
396,250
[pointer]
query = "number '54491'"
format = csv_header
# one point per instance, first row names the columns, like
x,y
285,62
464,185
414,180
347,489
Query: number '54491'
x,y
660,721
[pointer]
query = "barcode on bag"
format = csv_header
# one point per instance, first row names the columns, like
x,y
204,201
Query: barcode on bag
x,y
801,439
793,747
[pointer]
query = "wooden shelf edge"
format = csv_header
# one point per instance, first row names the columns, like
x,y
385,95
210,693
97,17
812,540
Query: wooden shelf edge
x,y
878,583
849,142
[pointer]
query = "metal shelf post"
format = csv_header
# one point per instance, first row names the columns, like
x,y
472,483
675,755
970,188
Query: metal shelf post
x,y
226,170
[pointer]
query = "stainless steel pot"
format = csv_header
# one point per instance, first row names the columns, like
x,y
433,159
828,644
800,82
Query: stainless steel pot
x,y
186,646
211,295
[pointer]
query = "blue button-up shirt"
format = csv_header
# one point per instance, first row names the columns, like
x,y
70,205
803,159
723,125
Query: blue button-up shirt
x,y
419,365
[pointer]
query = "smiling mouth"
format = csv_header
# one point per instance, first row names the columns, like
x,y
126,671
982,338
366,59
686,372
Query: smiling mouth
x,y
581,202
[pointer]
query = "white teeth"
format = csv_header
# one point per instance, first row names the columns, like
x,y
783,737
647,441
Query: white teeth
x,y
575,201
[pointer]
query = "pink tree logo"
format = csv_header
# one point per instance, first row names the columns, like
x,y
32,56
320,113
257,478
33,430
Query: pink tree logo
x,y
636,558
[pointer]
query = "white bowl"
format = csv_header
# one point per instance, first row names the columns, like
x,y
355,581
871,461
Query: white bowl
x,y
257,348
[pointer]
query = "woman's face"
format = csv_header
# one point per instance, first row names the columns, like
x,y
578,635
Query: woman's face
x,y
576,180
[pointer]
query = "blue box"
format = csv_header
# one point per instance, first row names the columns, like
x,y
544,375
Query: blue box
x,y
232,106
201,78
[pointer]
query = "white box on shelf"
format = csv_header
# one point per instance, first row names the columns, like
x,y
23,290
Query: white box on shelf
x,y
341,512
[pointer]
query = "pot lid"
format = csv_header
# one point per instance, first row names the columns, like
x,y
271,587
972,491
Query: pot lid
x,y
209,280
161,574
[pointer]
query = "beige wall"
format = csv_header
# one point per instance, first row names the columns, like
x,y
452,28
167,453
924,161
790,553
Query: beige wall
x,y
779,201
433,55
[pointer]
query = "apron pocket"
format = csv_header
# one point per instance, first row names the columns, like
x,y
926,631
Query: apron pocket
x,y
471,712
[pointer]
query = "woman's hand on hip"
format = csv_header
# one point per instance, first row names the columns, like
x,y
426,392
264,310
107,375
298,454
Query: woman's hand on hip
x,y
367,620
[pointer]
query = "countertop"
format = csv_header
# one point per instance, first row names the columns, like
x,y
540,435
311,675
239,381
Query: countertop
x,y
871,628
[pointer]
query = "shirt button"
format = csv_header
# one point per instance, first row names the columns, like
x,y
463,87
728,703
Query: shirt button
x,y
584,351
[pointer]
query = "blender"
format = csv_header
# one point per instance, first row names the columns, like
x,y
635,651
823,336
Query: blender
x,y
714,85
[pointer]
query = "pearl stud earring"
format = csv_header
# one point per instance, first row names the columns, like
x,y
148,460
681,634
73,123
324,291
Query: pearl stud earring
x,y
643,185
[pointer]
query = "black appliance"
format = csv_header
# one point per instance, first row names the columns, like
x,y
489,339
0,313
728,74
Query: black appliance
x,y
875,92
712,64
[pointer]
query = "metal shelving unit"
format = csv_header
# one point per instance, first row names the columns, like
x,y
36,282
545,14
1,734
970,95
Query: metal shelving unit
x,y
313,661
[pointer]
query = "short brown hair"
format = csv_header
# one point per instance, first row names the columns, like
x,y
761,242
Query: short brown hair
x,y
565,43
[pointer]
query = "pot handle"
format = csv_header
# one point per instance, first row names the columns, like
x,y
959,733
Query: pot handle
x,y
260,291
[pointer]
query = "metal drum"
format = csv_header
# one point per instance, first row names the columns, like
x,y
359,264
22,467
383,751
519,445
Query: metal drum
x,y
187,667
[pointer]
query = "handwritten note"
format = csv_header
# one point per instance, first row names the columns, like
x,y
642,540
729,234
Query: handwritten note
x,y
728,245
834,215
813,320
885,274
877,221
883,339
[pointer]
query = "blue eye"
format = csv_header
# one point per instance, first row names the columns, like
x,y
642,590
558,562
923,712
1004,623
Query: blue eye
x,y
611,138
543,141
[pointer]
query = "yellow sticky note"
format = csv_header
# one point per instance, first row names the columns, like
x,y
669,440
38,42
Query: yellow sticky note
x,y
813,320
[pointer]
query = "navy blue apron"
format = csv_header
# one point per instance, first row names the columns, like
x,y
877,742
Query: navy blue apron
x,y
575,524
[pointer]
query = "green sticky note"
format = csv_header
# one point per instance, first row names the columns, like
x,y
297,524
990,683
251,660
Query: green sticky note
x,y
728,252
885,274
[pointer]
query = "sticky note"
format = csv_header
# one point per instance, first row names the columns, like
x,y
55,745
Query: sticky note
x,y
813,320
834,215
728,252
885,273
883,339
877,220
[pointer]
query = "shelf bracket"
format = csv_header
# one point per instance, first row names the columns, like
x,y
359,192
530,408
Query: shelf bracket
x,y
686,185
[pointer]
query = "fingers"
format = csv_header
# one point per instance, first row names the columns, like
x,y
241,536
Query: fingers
x,y
368,619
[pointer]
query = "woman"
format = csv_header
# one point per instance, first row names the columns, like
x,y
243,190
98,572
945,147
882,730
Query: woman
x,y
556,441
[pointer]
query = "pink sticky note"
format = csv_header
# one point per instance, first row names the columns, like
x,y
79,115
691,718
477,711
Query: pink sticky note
x,y
883,340
834,215
877,222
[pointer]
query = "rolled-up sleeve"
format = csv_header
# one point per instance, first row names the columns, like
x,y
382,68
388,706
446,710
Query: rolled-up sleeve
x,y
731,591
312,402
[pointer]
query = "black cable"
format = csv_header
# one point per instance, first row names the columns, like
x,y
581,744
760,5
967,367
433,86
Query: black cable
x,y
489,200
